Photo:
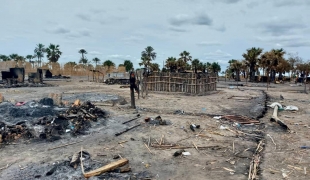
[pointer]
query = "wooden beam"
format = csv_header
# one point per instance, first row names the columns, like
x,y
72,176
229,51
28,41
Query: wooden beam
x,y
106,168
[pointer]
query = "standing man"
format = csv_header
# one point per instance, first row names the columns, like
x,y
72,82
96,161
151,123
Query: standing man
x,y
132,81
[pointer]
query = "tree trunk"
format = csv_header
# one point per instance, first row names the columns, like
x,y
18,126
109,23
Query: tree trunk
x,y
252,73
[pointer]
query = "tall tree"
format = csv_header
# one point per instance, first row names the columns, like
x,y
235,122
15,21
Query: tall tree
x,y
236,66
251,56
39,52
83,61
4,57
96,60
29,57
147,56
128,65
195,64
109,64
154,67
304,69
13,57
171,64
82,52
185,57
53,53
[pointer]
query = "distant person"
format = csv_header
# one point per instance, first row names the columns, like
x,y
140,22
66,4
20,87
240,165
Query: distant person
x,y
132,81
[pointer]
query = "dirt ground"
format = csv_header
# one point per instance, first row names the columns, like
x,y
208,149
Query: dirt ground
x,y
222,153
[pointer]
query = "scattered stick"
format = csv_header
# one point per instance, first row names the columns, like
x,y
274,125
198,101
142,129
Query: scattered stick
x,y
64,145
130,120
227,169
161,140
122,142
128,129
157,141
233,146
148,148
272,140
195,146
81,159
5,167
184,147
106,168
148,144
305,170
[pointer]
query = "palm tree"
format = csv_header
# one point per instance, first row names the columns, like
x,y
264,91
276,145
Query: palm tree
x,y
13,57
4,57
147,56
96,60
171,64
195,64
128,65
29,57
304,69
82,51
181,65
53,53
83,61
236,67
185,56
216,68
38,55
108,63
277,57
20,59
154,67
251,56
39,52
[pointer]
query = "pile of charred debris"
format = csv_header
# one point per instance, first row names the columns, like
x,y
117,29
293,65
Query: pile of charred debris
x,y
51,125
15,77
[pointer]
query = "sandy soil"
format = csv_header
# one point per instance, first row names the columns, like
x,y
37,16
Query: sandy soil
x,y
228,157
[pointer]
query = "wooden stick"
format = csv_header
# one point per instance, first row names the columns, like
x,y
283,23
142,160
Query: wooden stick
x,y
161,140
233,146
63,145
195,146
81,159
130,120
148,144
106,168
184,147
132,127
122,142
272,141
148,148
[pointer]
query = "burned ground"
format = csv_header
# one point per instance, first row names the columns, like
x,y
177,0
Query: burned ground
x,y
225,149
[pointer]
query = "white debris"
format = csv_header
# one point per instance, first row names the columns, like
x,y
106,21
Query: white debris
x,y
186,153
217,117
275,104
291,108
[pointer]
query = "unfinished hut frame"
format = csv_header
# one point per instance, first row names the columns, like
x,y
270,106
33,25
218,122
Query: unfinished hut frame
x,y
190,83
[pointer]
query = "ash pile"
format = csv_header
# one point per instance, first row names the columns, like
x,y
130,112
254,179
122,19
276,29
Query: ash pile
x,y
37,120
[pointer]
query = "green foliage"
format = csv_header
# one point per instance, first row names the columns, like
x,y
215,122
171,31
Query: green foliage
x,y
53,53
128,65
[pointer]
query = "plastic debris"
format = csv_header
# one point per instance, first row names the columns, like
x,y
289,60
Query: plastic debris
x,y
291,108
217,117
186,153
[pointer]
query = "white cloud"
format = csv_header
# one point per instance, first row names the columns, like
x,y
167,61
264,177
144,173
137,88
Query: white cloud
x,y
209,43
95,53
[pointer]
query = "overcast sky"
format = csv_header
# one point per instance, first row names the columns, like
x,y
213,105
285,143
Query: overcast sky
x,y
211,30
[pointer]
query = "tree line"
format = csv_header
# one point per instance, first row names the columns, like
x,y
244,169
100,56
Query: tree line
x,y
270,63
174,64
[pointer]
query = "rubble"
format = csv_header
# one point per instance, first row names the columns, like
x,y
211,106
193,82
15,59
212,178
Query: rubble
x,y
52,123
